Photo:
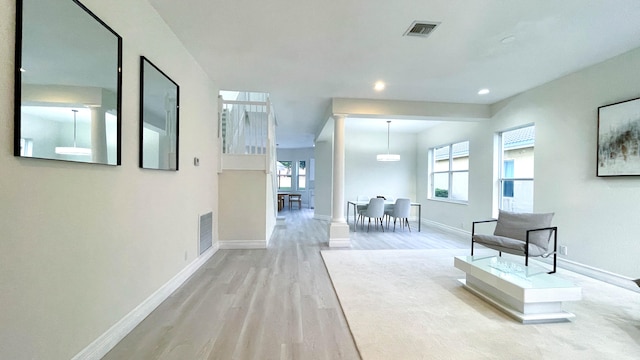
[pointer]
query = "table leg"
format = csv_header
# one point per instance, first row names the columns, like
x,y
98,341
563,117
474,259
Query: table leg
x,y
355,225
419,217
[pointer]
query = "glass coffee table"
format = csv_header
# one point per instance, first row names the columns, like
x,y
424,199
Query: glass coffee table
x,y
526,293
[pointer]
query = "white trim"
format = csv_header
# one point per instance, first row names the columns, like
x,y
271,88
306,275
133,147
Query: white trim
x,y
242,244
340,242
109,339
447,227
592,272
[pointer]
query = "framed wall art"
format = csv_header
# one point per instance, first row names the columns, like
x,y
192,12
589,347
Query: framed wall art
x,y
619,139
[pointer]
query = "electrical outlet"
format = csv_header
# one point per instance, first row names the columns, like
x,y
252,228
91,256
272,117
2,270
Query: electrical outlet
x,y
563,250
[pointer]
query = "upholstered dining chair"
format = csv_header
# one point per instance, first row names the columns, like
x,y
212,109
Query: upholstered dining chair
x,y
362,198
399,210
374,210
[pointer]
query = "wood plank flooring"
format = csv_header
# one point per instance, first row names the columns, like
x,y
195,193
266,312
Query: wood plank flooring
x,y
276,303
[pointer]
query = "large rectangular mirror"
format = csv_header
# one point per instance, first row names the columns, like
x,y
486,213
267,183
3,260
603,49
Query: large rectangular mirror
x,y
67,83
159,110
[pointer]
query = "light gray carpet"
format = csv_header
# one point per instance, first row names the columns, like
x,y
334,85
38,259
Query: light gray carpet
x,y
408,304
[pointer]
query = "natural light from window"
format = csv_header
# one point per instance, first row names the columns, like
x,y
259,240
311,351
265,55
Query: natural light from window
x,y
516,171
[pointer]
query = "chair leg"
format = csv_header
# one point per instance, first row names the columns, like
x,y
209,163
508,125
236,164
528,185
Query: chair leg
x,y
408,225
555,251
555,261
473,231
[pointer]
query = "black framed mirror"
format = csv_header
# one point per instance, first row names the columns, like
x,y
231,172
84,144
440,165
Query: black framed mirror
x,y
68,84
159,118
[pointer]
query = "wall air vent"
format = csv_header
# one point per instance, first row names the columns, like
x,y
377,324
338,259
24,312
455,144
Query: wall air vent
x,y
206,232
421,28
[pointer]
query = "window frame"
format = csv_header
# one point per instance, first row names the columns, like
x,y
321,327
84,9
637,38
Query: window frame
x,y
289,175
502,177
450,173
298,175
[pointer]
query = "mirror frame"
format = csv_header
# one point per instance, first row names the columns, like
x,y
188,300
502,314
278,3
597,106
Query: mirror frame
x,y
145,61
18,86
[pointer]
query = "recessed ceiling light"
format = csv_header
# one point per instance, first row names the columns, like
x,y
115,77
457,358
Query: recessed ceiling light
x,y
379,86
483,92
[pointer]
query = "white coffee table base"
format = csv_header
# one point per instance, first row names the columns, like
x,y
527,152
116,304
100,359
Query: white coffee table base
x,y
527,294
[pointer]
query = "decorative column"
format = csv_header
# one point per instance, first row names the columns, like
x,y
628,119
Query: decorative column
x,y
98,135
339,229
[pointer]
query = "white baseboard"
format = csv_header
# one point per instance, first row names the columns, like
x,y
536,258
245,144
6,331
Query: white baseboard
x,y
447,227
340,243
242,244
599,274
108,340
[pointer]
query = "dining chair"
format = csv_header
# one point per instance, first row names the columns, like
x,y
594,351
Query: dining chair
x,y
400,210
374,210
295,198
361,198
388,207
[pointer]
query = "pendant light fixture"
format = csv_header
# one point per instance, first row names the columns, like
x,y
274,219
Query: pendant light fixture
x,y
388,156
64,150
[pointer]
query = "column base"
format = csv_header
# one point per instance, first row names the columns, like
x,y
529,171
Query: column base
x,y
339,234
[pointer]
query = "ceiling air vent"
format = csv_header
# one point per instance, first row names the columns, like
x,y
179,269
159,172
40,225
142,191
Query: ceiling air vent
x,y
421,28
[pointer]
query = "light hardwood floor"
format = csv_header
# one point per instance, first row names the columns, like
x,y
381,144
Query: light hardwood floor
x,y
276,303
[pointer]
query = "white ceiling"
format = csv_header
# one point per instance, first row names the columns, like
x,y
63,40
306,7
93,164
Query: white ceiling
x,y
306,52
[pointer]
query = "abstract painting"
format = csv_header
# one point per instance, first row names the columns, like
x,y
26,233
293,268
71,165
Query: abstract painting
x,y
619,139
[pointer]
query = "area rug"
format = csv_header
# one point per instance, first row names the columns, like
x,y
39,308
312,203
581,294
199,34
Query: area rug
x,y
408,304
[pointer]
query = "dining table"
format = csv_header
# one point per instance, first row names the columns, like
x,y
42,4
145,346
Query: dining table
x,y
355,204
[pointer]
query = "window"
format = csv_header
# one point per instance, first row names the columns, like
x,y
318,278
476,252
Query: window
x,y
516,172
450,172
302,175
284,175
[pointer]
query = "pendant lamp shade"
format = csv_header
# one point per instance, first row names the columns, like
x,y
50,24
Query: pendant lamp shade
x,y
73,150
388,156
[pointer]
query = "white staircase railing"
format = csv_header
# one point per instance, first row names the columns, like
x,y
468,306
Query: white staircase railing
x,y
245,126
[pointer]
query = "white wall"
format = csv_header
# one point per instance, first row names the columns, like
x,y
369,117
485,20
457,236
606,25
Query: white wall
x,y
324,179
597,217
243,197
364,175
82,245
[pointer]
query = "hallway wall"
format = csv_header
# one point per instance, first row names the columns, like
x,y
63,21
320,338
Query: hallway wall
x,y
82,245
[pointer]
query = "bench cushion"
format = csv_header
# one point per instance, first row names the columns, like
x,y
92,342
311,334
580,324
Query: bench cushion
x,y
515,226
